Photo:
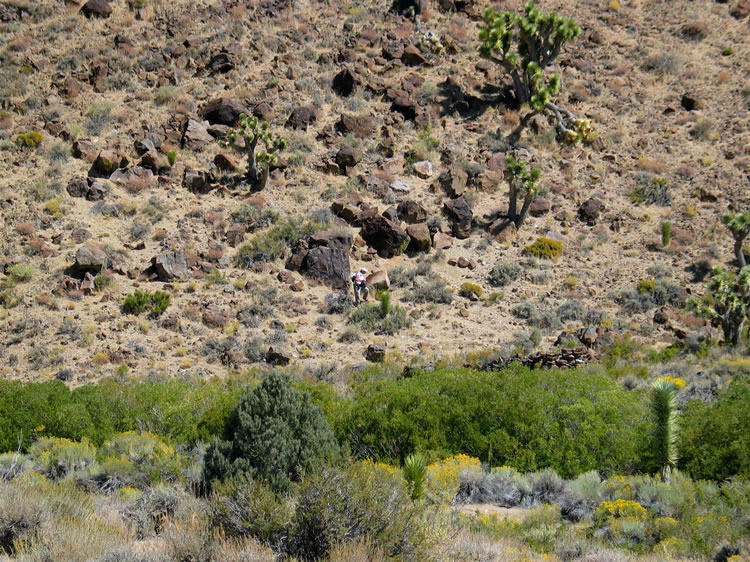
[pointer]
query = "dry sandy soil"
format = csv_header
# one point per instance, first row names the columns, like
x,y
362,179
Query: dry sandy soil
x,y
628,71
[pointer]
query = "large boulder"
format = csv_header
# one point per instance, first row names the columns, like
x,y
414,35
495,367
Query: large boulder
x,y
97,9
378,280
302,117
197,181
453,181
590,210
108,161
461,215
361,126
387,237
420,237
348,157
330,265
345,82
224,111
90,258
410,211
196,135
331,239
170,265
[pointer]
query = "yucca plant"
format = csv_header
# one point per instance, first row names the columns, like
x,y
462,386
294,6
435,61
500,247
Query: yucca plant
x,y
739,225
666,427
415,472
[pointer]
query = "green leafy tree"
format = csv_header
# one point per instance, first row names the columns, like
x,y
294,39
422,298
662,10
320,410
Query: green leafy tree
x,y
275,433
726,302
523,182
666,426
739,225
252,131
524,45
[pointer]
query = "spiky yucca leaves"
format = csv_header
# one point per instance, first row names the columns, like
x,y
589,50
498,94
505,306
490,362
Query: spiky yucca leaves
x,y
522,181
739,225
666,426
524,45
252,130
415,473
726,302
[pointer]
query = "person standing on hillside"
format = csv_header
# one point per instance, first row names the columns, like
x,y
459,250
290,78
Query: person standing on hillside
x,y
359,280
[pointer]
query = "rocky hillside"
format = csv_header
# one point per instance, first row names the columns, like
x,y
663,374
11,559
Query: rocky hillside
x,y
119,175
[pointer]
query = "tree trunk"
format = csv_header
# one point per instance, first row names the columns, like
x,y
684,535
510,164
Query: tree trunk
x,y
524,210
739,252
512,203
255,177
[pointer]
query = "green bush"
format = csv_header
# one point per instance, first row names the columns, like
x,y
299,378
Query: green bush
x,y
470,290
275,433
379,318
139,459
273,243
155,303
20,272
503,274
57,458
544,248
522,418
714,437
652,191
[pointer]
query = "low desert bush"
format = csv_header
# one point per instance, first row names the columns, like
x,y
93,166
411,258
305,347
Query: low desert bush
x,y
650,293
544,248
504,273
470,290
139,301
652,191
32,139
432,290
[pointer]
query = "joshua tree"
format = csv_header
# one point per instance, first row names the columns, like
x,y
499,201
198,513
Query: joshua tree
x,y
252,131
524,45
727,302
522,181
739,225
666,426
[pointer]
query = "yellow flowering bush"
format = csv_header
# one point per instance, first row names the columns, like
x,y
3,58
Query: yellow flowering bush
x,y
442,476
666,527
678,382
619,509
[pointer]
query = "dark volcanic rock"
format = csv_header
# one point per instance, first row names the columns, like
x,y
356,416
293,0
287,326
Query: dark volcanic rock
x,y
302,117
460,213
388,238
97,9
224,111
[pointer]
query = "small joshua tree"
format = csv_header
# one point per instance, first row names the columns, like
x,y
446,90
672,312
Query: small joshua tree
x,y
666,426
524,45
727,302
739,225
252,130
522,182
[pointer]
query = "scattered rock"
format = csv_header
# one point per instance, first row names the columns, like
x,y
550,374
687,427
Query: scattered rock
x,y
87,284
375,352
108,161
459,212
331,239
420,237
690,102
378,280
221,63
137,176
154,161
302,117
170,266
539,206
405,106
278,357
90,258
225,163
423,169
385,236
361,126
741,10
442,241
504,230
224,111
215,316
590,210
80,235
453,181
391,214
97,9
235,234
197,181
412,57
410,211
348,157
393,50
85,149
196,135
401,186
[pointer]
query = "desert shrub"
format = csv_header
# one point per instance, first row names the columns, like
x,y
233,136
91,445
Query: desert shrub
x,y
20,272
470,290
650,293
59,457
338,303
713,444
522,418
138,460
254,218
255,350
546,488
32,139
503,486
149,511
544,248
363,500
652,191
275,433
98,117
273,243
165,94
244,507
432,290
139,301
539,318
370,318
443,480
504,273
59,152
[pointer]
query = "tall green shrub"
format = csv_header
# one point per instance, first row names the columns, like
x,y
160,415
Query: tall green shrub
x,y
275,433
